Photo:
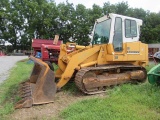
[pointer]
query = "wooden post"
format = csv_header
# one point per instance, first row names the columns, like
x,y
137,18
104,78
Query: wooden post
x,y
56,38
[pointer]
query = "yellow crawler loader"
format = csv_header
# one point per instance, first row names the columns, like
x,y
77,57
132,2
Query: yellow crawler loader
x,y
115,56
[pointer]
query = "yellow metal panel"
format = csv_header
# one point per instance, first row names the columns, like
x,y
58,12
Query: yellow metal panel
x,y
74,62
109,48
91,58
102,55
135,51
133,46
88,64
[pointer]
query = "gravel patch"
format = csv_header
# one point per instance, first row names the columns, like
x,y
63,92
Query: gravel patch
x,y
6,63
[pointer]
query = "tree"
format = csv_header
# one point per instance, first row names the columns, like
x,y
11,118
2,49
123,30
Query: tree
x,y
4,4
151,28
65,18
81,25
23,20
119,8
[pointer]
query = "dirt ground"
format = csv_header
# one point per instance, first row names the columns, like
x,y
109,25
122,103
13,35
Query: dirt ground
x,y
51,111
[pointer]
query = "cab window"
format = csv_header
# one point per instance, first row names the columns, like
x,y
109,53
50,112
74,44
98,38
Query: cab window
x,y
130,28
102,32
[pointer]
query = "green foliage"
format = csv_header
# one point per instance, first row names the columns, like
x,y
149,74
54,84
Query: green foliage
x,y
8,89
126,102
22,20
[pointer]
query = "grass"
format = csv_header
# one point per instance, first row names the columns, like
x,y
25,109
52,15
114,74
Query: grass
x,y
55,66
8,89
126,102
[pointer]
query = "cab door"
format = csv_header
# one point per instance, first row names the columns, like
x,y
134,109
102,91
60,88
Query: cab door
x,y
117,37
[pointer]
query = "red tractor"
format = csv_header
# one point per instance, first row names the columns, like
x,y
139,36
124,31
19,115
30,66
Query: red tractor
x,y
47,50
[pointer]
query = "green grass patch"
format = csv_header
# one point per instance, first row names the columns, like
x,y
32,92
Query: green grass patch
x,y
55,66
126,102
71,88
8,89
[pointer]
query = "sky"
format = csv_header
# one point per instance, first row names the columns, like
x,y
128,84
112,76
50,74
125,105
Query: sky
x,y
151,5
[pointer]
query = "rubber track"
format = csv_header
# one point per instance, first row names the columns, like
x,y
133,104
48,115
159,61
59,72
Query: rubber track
x,y
81,73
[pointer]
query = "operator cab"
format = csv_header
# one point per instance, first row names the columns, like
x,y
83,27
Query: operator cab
x,y
116,29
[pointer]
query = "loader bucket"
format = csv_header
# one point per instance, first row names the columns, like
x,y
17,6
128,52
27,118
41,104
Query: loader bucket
x,y
40,88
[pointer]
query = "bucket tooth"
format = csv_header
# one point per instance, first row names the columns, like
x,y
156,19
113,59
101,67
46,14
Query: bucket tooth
x,y
26,95
25,84
25,92
25,89
40,88
26,102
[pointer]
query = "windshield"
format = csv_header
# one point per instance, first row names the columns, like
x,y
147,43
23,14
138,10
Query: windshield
x,y
102,32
